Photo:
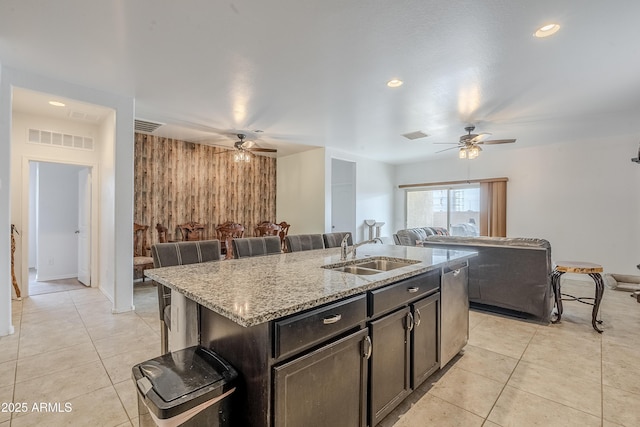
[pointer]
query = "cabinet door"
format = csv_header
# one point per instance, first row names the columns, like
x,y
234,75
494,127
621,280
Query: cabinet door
x,y
425,344
389,365
327,387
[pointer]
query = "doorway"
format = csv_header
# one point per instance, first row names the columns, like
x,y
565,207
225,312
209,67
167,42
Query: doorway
x,y
343,196
59,232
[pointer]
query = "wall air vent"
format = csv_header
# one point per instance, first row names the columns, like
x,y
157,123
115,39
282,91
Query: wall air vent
x,y
415,135
146,126
59,139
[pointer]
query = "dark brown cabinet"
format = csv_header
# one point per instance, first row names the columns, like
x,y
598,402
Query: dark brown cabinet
x,y
390,363
425,339
327,387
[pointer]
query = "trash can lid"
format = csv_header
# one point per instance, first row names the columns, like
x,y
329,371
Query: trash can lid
x,y
184,372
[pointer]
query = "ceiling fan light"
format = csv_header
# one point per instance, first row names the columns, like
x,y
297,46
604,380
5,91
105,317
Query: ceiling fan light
x,y
462,153
241,156
473,152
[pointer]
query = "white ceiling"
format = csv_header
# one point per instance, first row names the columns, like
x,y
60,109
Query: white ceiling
x,y
313,72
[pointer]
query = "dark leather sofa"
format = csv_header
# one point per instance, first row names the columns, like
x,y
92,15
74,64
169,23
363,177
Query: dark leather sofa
x,y
511,274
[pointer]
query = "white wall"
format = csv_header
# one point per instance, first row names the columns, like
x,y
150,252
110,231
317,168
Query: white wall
x,y
33,214
581,196
121,182
57,221
304,192
374,192
107,219
23,154
301,191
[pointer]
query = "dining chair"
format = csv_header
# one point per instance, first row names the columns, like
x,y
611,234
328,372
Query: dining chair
x,y
266,228
227,232
141,261
178,253
255,246
191,231
284,230
333,240
303,242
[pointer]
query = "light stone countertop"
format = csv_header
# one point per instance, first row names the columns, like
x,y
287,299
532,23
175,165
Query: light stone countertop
x,y
255,290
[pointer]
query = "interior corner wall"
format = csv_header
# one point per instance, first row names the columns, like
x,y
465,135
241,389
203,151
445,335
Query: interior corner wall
x,y
107,275
375,192
580,196
121,185
301,191
6,289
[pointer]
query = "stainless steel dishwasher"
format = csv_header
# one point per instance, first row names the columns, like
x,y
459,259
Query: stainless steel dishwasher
x,y
454,317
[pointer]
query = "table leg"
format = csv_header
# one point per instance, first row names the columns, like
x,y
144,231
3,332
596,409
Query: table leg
x,y
597,278
555,284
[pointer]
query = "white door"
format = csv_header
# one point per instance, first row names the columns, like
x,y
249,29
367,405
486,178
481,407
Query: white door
x,y
343,196
84,227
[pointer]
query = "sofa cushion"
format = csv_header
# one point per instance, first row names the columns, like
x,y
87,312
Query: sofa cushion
x,y
409,236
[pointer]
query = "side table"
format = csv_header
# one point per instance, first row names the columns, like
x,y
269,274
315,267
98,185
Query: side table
x,y
591,269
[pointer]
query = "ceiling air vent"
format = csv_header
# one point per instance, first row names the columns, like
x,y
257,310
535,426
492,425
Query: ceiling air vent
x,y
415,135
146,126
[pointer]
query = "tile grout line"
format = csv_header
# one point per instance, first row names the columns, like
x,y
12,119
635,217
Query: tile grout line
x,y
510,375
112,385
15,372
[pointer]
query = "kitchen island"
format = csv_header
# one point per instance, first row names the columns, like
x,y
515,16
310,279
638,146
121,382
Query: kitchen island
x,y
315,345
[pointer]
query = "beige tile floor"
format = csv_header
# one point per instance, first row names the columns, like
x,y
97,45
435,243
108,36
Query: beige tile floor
x,y
69,348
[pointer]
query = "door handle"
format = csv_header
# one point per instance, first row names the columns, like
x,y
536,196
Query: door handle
x,y
368,347
417,317
410,322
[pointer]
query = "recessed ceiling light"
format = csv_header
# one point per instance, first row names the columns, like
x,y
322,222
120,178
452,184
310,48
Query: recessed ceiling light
x,y
547,30
57,103
394,83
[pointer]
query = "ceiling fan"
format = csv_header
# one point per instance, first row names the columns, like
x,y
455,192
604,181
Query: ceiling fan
x,y
469,144
245,149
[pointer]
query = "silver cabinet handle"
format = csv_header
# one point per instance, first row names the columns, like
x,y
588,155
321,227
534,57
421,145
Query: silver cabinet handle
x,y
417,317
410,322
332,319
456,272
368,347
413,289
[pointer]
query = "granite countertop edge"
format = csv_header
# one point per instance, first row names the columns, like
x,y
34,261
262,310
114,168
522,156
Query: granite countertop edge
x,y
249,270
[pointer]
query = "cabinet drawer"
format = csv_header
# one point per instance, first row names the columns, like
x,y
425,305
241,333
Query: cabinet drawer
x,y
393,296
307,329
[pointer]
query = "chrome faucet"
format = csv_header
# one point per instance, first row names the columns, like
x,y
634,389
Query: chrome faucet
x,y
343,247
344,252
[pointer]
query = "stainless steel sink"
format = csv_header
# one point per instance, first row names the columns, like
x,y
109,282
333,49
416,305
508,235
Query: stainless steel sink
x,y
384,264
371,266
354,269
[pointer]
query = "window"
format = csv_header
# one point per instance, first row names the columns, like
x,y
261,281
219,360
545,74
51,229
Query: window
x,y
455,208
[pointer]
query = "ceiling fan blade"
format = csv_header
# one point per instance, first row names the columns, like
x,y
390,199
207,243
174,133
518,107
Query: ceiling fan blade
x,y
480,137
497,141
446,149
248,144
262,150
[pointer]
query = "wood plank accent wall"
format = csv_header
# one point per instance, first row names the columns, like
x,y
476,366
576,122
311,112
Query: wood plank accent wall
x,y
176,182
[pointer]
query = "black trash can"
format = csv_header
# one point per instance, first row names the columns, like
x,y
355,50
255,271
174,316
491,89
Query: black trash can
x,y
190,387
